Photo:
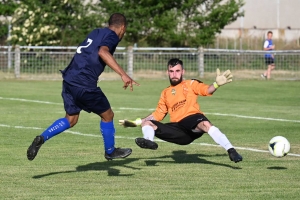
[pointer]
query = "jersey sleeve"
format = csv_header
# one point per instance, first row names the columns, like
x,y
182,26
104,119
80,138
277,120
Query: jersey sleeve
x,y
199,88
266,44
161,109
111,41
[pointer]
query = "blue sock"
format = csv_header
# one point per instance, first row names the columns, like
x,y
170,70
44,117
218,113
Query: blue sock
x,y
108,134
57,127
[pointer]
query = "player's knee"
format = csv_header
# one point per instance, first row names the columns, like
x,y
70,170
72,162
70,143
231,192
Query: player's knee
x,y
72,121
149,123
107,116
145,123
204,126
73,124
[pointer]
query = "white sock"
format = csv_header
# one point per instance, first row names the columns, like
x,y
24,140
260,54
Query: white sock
x,y
148,132
219,137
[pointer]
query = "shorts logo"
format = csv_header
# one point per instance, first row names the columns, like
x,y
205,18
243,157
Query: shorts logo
x,y
173,91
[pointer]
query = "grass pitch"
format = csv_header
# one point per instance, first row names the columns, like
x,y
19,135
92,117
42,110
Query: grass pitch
x,y
72,165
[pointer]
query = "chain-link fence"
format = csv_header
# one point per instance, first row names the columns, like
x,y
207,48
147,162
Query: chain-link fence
x,y
45,62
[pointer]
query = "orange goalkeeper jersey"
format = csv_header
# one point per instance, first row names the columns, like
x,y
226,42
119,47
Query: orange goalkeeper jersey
x,y
180,101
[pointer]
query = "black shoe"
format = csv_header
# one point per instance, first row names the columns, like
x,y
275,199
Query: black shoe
x,y
118,153
33,149
234,156
146,144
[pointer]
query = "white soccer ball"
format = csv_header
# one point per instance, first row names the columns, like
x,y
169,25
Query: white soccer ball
x,y
279,146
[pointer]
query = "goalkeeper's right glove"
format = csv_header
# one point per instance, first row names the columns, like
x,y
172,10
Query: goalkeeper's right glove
x,y
130,123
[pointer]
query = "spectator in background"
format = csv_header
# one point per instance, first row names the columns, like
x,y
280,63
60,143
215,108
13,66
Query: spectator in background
x,y
269,58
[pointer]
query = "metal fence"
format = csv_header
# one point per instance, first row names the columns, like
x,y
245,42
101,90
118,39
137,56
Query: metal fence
x,y
149,63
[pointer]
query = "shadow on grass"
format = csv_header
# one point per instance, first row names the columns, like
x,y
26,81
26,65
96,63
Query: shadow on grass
x,y
178,157
277,168
99,166
181,156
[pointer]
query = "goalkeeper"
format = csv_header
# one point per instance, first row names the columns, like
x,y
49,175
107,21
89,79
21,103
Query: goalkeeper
x,y
187,120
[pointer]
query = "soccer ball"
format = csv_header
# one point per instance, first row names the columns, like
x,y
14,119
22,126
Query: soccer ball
x,y
279,146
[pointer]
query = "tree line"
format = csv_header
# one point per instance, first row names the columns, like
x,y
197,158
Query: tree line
x,y
156,23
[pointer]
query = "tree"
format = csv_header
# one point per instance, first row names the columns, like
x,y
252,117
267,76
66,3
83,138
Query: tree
x,y
52,22
174,23
7,8
151,21
202,19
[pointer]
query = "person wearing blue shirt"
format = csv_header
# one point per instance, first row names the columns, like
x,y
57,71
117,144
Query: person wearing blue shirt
x,y
80,91
269,58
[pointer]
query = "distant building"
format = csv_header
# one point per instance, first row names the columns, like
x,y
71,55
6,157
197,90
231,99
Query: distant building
x,y
279,16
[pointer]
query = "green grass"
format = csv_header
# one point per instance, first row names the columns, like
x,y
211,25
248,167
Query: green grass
x,y
72,166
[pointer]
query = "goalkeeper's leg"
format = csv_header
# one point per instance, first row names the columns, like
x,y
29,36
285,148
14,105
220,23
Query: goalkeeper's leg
x,y
222,140
148,132
147,141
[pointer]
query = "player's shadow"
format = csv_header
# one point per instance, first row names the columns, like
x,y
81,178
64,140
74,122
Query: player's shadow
x,y
181,156
108,166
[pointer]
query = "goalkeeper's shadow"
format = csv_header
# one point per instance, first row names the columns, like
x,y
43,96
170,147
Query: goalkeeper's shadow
x,y
181,157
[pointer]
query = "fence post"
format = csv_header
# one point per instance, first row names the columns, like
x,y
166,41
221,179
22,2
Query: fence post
x,y
17,61
201,62
9,57
130,61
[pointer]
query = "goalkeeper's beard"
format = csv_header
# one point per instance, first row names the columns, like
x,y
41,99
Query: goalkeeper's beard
x,y
175,82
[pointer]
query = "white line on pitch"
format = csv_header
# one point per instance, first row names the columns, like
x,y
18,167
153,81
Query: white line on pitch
x,y
252,117
152,109
28,100
132,138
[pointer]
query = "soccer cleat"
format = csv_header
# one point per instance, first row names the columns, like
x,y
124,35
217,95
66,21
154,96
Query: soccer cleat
x,y
118,153
263,76
146,144
234,156
33,149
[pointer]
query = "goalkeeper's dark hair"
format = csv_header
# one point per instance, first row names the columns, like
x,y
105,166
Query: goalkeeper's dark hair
x,y
117,19
175,61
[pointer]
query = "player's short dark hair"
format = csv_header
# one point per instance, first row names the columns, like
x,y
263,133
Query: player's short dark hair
x,y
117,19
270,32
175,61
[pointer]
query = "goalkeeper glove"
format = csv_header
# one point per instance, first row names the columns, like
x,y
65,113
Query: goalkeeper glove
x,y
226,77
130,123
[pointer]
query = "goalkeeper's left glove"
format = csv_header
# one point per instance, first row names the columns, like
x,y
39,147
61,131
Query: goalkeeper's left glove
x,y
130,123
226,77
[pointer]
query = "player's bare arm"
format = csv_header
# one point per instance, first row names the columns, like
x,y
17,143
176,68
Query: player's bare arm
x,y
148,118
269,48
211,89
112,63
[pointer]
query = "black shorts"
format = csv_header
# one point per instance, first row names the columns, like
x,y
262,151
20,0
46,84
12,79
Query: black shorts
x,y
269,61
89,100
180,132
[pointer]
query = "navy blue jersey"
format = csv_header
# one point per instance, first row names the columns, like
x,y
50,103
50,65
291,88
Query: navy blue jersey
x,y
86,65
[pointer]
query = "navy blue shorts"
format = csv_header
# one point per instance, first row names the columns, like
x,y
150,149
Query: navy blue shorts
x,y
77,99
269,60
180,132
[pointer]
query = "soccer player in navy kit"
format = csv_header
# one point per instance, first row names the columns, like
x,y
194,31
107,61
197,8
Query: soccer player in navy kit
x,y
80,91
